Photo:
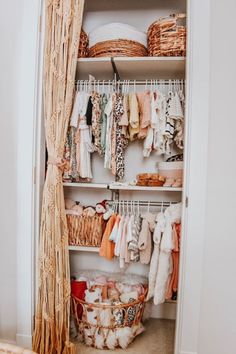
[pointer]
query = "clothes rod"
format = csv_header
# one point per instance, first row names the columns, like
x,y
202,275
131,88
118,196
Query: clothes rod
x,y
130,82
141,203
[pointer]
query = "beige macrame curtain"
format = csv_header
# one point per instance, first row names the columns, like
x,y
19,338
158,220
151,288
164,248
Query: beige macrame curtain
x,y
62,33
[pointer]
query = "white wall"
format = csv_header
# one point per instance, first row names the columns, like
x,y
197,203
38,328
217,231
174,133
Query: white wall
x,y
18,59
217,325
10,24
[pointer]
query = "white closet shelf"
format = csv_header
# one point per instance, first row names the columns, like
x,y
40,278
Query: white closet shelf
x,y
141,68
100,68
113,187
86,185
84,249
143,188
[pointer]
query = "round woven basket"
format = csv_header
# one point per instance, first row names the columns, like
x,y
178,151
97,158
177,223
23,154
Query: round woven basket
x,y
83,45
131,316
118,48
167,37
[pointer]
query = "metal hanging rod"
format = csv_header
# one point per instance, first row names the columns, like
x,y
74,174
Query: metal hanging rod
x,y
141,203
131,82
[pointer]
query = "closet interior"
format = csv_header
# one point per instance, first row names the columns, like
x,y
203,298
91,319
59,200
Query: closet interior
x,y
136,186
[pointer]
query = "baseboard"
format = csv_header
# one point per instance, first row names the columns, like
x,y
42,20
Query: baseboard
x,y
167,311
183,352
24,341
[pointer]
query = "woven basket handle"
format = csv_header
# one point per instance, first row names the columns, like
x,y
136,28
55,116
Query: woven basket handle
x,y
178,16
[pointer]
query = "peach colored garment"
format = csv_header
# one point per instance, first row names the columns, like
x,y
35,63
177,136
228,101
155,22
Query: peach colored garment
x,y
173,283
124,238
144,103
107,246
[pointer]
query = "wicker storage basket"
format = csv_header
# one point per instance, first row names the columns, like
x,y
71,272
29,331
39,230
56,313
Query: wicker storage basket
x,y
166,37
85,230
171,169
121,316
83,45
118,48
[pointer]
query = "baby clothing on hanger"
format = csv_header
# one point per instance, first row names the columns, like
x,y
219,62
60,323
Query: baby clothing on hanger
x,y
173,283
104,100
109,115
134,116
121,140
145,237
79,107
145,113
107,247
85,148
96,121
159,229
165,266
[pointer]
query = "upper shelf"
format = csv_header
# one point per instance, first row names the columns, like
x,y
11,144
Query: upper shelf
x,y
141,68
122,187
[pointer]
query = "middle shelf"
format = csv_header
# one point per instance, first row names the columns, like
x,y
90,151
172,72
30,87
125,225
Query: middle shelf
x,y
113,187
129,68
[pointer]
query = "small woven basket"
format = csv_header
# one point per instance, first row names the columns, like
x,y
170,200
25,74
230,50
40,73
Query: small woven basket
x,y
85,230
83,45
118,48
166,37
122,315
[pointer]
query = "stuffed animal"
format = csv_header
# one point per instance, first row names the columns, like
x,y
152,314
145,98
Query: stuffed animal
x,y
73,207
111,340
109,211
124,336
89,211
101,207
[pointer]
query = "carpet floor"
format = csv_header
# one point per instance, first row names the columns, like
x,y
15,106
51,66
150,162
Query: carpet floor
x,y
157,339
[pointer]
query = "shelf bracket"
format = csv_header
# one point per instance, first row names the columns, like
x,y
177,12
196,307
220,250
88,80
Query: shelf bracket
x,y
116,72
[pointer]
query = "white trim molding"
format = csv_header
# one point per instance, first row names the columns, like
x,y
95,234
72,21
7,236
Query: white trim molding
x,y
197,116
24,340
27,103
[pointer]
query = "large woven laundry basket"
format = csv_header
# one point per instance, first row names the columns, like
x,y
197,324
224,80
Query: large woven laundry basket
x,y
122,318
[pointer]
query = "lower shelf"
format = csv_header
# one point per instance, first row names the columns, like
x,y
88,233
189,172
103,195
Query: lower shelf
x,y
84,249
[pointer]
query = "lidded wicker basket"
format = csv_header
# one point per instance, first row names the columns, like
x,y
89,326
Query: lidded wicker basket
x,y
85,230
117,39
167,36
83,45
